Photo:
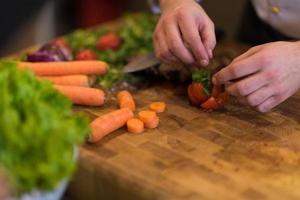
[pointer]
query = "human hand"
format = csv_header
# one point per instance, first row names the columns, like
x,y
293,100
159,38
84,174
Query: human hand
x,y
267,75
184,33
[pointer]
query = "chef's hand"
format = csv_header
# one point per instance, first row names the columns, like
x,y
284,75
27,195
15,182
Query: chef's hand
x,y
269,74
184,33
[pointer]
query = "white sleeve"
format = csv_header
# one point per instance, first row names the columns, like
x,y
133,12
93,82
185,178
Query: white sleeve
x,y
154,5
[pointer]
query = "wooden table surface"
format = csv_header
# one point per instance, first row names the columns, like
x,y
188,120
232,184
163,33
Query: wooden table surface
x,y
236,153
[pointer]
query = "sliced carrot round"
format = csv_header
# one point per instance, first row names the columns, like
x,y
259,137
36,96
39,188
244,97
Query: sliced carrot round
x,y
153,124
158,106
147,116
135,125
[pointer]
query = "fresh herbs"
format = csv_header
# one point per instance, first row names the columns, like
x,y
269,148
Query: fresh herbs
x,y
203,76
38,131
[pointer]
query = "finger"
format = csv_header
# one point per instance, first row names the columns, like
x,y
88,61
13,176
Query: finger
x,y
260,96
267,105
192,37
209,38
175,43
237,70
247,54
161,49
248,85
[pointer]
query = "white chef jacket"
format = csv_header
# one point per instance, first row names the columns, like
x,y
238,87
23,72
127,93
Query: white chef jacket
x,y
282,15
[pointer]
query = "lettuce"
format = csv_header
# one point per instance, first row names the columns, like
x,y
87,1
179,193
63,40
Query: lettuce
x,y
38,131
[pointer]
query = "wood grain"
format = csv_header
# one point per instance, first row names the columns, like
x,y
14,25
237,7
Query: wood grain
x,y
236,153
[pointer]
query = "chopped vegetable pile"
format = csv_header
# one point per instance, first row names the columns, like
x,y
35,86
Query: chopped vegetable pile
x,y
38,131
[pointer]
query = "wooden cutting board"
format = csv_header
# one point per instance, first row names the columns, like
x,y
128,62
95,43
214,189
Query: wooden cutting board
x,y
236,153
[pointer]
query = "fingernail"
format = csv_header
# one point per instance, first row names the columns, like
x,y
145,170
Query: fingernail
x,y
204,62
214,80
210,53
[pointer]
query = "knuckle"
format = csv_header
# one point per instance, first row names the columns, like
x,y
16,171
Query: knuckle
x,y
266,59
241,89
234,70
253,100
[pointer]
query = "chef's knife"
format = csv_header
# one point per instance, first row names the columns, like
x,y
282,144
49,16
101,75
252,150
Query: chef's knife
x,y
141,63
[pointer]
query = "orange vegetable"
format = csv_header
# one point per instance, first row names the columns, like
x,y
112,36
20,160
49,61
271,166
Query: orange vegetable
x,y
108,123
147,116
82,95
198,92
125,100
72,80
211,104
158,106
110,41
153,124
135,125
66,68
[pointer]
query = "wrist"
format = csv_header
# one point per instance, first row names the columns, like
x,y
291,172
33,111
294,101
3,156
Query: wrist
x,y
165,4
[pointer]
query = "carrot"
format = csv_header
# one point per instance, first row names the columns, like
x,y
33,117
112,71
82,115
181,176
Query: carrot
x,y
66,68
153,124
135,125
82,95
72,80
158,106
125,100
147,116
108,123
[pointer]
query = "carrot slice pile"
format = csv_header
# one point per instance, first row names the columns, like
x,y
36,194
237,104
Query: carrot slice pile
x,y
125,100
158,106
108,123
149,118
135,125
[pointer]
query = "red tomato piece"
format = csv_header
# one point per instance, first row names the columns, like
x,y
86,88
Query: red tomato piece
x,y
86,54
110,41
198,92
192,98
210,104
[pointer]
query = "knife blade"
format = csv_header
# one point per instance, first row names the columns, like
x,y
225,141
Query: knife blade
x,y
141,63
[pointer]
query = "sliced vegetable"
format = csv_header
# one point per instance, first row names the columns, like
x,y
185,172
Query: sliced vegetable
x,y
191,96
210,104
153,124
108,123
199,92
86,54
158,106
66,68
71,80
110,41
202,76
147,116
82,95
135,125
216,91
125,100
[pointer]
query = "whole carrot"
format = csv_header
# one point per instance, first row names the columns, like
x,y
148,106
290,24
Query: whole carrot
x,y
108,123
71,80
125,100
82,95
66,68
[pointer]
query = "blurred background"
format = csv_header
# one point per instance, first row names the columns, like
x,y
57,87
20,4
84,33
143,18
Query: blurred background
x,y
28,22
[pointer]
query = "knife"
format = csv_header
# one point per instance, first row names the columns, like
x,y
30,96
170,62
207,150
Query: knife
x,y
141,63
